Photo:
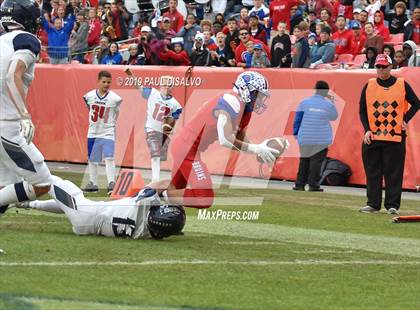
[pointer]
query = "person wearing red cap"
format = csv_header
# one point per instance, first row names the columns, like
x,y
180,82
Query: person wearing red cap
x,y
384,114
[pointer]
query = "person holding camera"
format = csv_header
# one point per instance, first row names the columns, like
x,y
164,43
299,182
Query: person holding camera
x,y
313,131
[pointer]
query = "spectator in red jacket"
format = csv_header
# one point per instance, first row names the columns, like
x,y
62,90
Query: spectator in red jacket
x,y
176,18
342,38
380,27
256,29
280,12
358,38
95,28
244,36
176,56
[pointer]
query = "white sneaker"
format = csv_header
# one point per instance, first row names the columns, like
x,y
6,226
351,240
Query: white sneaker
x,y
368,209
393,211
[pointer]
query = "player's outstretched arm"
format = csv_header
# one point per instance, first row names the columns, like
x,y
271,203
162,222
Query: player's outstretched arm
x,y
130,74
238,142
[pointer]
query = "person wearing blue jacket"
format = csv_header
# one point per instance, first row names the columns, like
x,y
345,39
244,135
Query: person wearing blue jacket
x,y
312,128
58,39
114,57
324,51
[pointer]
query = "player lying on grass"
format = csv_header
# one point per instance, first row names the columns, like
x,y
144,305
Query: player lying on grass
x,y
162,112
223,119
133,217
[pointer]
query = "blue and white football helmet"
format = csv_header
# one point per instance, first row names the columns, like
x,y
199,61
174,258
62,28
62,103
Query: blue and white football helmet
x,y
252,88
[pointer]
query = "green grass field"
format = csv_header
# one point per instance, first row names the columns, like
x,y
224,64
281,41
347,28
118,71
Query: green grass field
x,y
306,251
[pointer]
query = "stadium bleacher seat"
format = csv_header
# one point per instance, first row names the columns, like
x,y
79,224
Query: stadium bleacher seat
x,y
359,59
346,58
396,39
398,47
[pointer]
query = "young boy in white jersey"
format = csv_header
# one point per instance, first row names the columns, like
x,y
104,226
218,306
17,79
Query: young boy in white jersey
x,y
103,105
162,112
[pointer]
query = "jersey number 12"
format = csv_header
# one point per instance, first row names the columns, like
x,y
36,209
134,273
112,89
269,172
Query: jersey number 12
x,y
160,112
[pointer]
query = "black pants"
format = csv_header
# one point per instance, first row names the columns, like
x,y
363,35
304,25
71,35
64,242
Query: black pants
x,y
384,160
311,158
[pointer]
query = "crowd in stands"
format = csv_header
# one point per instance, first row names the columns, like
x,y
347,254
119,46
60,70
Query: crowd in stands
x,y
229,33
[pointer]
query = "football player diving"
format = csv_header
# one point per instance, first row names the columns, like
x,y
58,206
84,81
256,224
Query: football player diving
x,y
224,119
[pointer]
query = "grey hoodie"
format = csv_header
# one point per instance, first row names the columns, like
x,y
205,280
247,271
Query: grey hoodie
x,y
414,60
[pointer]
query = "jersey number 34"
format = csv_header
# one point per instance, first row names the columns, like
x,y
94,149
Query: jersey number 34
x,y
99,111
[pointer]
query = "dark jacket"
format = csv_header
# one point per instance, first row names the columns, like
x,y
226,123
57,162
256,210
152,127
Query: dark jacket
x,y
200,58
301,57
281,46
224,56
396,23
312,121
408,30
232,41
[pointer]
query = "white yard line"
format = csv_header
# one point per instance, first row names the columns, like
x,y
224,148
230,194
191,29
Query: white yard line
x,y
316,237
309,262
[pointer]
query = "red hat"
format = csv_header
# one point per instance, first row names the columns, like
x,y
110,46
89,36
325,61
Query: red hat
x,y
383,60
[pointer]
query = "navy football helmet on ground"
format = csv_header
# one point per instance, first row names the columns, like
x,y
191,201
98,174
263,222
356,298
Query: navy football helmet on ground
x,y
20,15
165,221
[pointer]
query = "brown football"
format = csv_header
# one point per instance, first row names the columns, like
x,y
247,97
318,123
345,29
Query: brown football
x,y
280,144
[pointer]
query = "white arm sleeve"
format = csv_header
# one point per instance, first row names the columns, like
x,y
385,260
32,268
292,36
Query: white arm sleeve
x,y
221,122
27,58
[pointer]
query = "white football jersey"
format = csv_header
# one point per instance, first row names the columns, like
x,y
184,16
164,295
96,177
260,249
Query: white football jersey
x,y
16,45
117,218
122,218
158,108
103,114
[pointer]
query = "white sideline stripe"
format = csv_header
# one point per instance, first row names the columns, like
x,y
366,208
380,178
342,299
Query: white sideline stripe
x,y
208,262
32,223
318,237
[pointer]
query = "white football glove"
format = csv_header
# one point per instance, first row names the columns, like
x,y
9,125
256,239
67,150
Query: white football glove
x,y
262,150
27,129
